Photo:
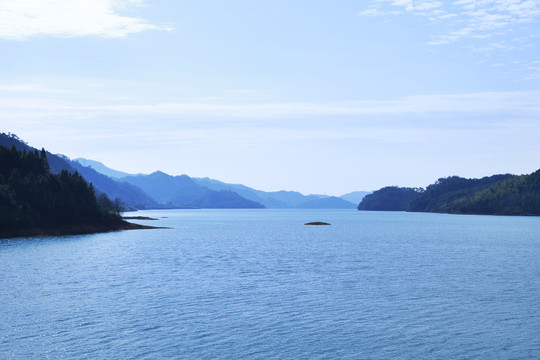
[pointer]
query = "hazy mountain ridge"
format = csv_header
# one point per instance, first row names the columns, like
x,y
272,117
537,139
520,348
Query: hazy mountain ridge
x,y
191,192
160,190
101,168
331,202
356,196
128,193
181,191
280,199
245,191
188,194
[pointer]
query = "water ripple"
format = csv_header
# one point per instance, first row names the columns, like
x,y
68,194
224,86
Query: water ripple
x,y
259,285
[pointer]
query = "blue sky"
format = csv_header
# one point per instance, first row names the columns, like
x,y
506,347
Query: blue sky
x,y
315,96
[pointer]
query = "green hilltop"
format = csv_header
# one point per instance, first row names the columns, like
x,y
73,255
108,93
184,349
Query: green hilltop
x,y
494,195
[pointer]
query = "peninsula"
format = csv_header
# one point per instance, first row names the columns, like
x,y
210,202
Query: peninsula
x,y
36,202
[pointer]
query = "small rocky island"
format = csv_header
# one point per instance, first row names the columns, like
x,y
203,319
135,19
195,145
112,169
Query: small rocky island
x,y
317,223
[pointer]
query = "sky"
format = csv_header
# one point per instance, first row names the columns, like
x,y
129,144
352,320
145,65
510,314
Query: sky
x,y
315,96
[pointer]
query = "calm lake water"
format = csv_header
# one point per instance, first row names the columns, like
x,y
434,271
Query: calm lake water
x,y
258,284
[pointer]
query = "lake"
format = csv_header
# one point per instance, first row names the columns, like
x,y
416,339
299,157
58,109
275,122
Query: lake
x,y
258,284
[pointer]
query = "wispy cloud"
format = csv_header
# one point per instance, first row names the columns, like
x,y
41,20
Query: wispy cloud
x,y
511,104
534,68
486,27
378,12
466,18
37,88
25,19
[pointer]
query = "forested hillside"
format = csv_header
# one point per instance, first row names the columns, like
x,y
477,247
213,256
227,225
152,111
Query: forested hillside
x,y
390,198
32,197
519,195
128,194
494,195
446,190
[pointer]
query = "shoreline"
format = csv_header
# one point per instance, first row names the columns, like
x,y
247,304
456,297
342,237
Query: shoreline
x,y
76,229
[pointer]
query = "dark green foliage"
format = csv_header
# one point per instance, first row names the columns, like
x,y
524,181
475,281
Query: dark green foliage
x,y
493,195
30,196
9,140
117,206
519,195
390,198
129,194
449,189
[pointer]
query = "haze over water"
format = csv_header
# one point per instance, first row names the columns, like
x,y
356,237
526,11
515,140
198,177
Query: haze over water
x,y
258,284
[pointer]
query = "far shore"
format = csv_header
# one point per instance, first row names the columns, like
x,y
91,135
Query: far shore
x,y
75,229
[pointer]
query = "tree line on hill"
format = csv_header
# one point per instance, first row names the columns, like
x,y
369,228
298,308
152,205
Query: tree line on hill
x,y
130,195
390,198
33,197
494,195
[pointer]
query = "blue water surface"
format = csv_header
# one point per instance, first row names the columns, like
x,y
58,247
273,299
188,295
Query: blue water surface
x,y
258,284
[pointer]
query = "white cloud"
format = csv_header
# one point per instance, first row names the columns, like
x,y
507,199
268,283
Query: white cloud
x,y
25,19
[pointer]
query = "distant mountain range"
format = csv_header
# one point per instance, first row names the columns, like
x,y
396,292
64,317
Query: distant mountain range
x,y
280,199
498,194
181,191
160,190
184,191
